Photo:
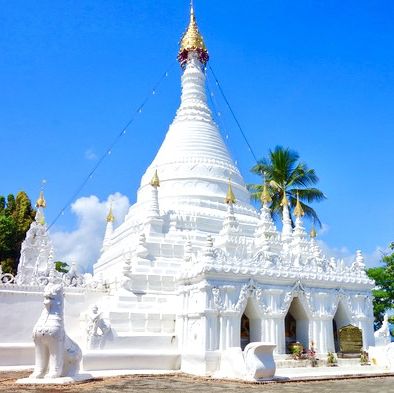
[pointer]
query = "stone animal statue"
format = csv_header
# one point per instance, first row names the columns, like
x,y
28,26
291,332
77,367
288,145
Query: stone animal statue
x,y
382,335
56,354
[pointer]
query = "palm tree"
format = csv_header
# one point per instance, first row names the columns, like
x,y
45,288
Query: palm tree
x,y
284,173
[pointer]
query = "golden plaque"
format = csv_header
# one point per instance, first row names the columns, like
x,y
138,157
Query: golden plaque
x,y
350,339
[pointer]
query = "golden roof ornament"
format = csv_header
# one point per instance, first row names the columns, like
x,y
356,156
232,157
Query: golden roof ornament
x,y
155,182
110,215
313,233
41,202
298,210
284,202
230,197
265,195
192,41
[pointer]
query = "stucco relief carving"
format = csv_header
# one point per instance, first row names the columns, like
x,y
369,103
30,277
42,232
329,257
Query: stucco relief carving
x,y
217,298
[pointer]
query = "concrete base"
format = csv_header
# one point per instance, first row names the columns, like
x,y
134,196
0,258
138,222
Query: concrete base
x,y
202,363
232,364
16,354
54,381
130,360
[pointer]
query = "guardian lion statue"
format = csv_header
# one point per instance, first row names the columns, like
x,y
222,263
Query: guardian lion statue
x,y
56,354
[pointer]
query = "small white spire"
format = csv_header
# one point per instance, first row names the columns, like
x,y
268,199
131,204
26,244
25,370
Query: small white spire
x,y
287,229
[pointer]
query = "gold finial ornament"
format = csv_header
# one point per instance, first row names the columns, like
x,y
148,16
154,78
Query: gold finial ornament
x,y
155,182
110,215
192,41
298,210
265,195
230,197
313,233
284,202
41,202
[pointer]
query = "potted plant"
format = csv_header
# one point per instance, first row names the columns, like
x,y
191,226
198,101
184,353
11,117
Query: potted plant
x,y
331,360
364,360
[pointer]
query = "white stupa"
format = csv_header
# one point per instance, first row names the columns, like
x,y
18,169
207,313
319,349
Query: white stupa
x,y
195,261
195,272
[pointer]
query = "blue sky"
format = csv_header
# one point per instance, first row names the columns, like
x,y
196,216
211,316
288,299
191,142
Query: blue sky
x,y
316,76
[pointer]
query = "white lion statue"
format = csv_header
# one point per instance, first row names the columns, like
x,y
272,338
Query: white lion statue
x,y
382,336
56,354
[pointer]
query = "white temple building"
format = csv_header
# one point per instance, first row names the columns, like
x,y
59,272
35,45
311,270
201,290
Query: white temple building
x,y
194,272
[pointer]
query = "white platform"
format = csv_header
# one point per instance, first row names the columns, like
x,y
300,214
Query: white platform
x,y
130,360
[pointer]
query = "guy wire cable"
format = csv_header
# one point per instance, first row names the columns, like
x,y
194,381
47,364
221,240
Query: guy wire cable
x,y
233,114
108,151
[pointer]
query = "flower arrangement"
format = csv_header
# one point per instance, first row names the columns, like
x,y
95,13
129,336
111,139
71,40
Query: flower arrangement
x,y
296,352
311,355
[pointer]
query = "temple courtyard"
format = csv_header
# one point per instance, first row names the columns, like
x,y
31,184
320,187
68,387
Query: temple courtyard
x,y
186,383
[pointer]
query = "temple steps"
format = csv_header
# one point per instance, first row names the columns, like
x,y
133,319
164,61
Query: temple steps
x,y
322,362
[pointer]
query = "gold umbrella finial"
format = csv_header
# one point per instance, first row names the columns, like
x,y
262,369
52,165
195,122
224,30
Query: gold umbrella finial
x,y
110,215
230,197
265,195
41,202
155,182
192,41
313,232
284,202
298,210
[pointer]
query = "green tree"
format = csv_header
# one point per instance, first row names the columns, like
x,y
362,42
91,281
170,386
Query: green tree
x,y
10,208
284,173
384,290
8,236
62,267
2,204
16,215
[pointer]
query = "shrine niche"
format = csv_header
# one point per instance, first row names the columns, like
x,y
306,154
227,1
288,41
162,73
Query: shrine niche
x,y
296,325
245,331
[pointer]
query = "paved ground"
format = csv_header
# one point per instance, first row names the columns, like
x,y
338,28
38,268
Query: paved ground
x,y
186,384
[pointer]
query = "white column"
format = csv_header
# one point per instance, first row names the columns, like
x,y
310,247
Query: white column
x,y
274,328
321,333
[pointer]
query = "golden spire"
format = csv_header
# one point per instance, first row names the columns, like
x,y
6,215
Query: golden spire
x,y
265,195
284,202
298,211
41,201
313,232
192,41
110,216
230,197
155,182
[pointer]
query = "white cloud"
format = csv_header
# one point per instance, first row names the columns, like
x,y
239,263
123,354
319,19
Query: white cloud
x,y
90,155
371,258
324,228
84,243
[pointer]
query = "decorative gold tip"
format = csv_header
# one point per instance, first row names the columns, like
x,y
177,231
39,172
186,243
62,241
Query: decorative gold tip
x,y
313,233
284,202
230,197
265,195
192,41
41,201
155,182
110,216
298,210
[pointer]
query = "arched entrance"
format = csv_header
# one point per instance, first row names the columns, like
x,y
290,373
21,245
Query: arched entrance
x,y
245,331
250,328
340,319
296,324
